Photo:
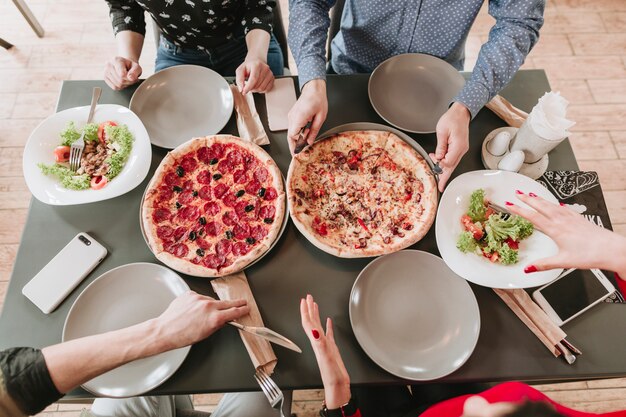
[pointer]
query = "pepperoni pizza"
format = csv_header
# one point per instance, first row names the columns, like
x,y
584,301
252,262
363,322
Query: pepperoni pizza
x,y
214,205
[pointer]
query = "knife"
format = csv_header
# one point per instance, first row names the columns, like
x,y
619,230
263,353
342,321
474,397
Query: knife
x,y
267,334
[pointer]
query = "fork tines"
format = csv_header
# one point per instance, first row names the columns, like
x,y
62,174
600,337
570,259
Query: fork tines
x,y
504,213
76,153
270,389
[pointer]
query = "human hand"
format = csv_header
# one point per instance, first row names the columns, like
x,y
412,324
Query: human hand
x,y
334,375
120,73
254,75
312,106
582,244
452,140
192,317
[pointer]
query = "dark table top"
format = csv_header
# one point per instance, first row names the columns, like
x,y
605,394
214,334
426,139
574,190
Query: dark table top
x,y
506,349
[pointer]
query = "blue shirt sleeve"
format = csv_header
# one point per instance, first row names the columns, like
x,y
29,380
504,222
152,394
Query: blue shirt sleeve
x,y
309,21
510,40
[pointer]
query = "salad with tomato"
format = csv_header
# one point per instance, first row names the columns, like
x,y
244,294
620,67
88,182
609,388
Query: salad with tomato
x,y
107,148
489,234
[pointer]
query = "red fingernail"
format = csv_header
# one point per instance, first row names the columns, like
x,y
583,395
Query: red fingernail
x,y
532,194
508,203
518,192
530,268
316,334
562,204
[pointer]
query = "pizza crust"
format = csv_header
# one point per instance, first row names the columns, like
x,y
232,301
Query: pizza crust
x,y
184,265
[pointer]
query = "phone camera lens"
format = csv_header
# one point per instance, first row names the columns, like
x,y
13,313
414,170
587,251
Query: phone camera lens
x,y
83,239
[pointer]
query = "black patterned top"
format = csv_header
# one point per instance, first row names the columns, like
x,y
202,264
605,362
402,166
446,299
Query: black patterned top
x,y
197,24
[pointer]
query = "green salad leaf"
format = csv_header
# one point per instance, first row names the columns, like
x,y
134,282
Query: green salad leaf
x,y
515,227
91,132
477,209
68,178
70,134
466,242
122,140
508,256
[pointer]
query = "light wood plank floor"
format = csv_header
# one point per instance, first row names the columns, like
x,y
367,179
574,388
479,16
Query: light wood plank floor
x,y
582,48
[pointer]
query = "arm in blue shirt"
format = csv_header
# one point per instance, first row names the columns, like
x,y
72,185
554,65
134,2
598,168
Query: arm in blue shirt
x,y
510,40
308,32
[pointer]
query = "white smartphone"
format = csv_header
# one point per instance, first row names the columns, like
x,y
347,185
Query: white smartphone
x,y
572,294
64,272
279,100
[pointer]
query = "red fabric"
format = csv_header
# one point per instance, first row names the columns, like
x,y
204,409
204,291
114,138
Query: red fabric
x,y
357,414
508,392
621,284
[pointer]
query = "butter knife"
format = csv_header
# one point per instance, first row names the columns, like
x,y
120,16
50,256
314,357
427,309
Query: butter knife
x,y
267,334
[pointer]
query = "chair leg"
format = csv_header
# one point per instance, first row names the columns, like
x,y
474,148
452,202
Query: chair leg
x,y
29,16
5,44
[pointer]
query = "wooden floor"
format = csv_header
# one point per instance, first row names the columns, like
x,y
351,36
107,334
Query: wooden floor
x,y
582,48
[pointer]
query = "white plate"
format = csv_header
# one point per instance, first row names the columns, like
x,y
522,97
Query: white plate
x,y
499,187
122,297
43,140
183,102
413,316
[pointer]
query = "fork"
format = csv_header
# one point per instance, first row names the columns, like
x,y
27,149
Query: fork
x,y
504,213
270,389
78,146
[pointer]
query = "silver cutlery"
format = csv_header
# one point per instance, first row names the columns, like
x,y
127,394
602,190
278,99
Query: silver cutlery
x,y
270,389
267,334
437,169
504,213
78,146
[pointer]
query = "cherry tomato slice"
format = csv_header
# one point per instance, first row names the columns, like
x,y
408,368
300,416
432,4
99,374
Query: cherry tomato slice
x,y
102,133
62,153
98,182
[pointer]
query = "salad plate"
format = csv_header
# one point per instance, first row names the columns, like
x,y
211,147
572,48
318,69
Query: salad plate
x,y
114,301
499,187
413,316
182,102
46,138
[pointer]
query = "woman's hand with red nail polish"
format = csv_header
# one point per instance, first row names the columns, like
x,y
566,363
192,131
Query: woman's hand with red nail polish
x,y
334,375
581,244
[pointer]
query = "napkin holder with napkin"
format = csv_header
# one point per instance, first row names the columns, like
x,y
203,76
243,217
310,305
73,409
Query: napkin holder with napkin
x,y
523,146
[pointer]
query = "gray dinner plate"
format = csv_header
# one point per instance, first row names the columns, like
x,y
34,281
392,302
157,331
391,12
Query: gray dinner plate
x,y
182,102
122,297
413,316
412,91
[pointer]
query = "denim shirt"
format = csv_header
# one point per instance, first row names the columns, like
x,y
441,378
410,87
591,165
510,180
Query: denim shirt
x,y
375,30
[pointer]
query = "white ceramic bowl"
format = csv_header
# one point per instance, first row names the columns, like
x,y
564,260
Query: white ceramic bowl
x,y
43,140
499,187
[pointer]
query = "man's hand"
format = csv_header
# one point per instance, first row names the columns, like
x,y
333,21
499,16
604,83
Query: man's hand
x,y
120,73
193,317
452,140
254,75
312,106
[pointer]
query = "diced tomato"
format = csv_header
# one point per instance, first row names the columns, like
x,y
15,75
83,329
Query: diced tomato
x,y
102,133
492,256
319,192
512,243
62,153
362,223
304,178
408,197
489,212
98,182
320,227
472,227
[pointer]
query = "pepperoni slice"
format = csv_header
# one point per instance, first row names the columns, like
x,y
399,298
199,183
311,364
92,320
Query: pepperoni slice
x,y
253,187
185,197
161,214
191,213
267,212
240,248
219,190
165,193
250,161
188,185
180,232
205,192
270,194
240,176
211,208
189,163
235,157
204,177
230,199
223,247
180,250
241,231
229,218
261,174
213,261
258,232
226,262
203,155
240,208
171,179
213,228
215,151
165,233
202,244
